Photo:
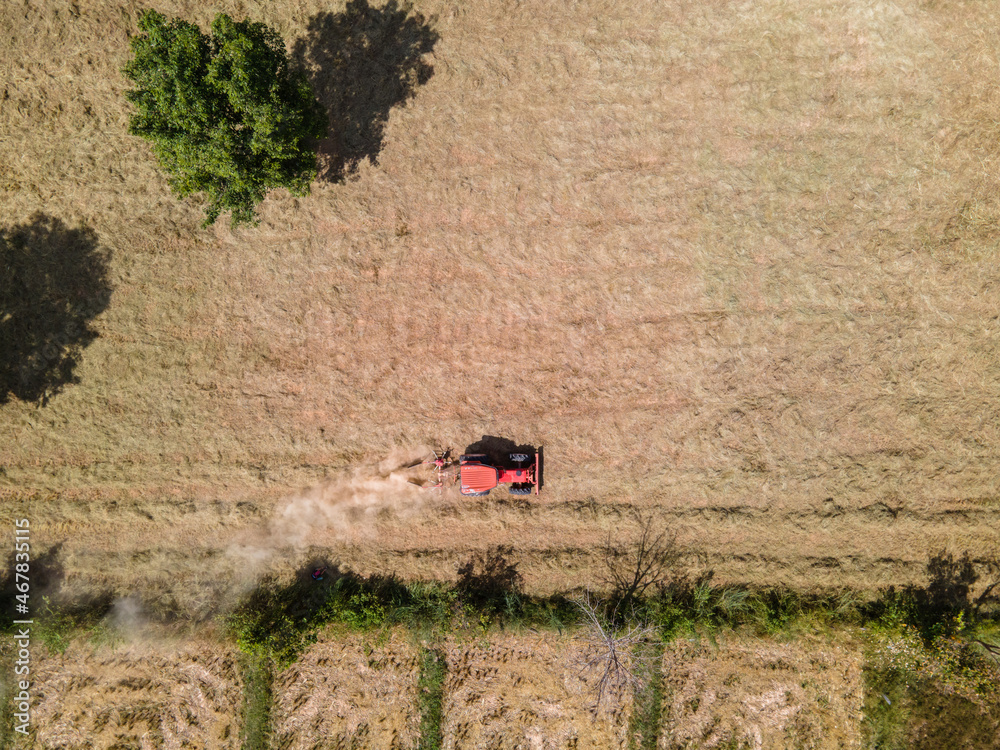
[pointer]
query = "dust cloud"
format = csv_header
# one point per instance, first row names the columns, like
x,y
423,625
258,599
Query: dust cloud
x,y
127,616
343,509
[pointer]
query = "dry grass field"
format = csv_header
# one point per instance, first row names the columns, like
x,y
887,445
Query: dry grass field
x,y
732,264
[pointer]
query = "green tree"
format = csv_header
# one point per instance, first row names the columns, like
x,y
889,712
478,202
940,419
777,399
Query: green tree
x,y
225,114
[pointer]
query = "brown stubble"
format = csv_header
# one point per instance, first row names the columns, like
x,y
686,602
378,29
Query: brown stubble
x,y
758,693
184,693
528,689
351,689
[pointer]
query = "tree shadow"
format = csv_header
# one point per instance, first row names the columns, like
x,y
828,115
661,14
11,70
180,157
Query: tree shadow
x,y
951,582
43,576
946,602
45,594
361,63
488,579
282,616
54,283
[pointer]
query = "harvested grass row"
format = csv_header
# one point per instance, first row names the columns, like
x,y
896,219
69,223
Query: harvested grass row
x,y
155,682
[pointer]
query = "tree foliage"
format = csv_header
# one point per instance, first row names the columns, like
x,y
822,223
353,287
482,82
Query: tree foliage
x,y
223,111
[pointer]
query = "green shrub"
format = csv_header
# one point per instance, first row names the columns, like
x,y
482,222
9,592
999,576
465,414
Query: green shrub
x,y
57,624
55,628
281,620
427,605
264,624
361,610
224,113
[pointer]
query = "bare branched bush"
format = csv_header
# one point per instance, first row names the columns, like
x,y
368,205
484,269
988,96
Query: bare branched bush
x,y
654,561
991,593
990,649
612,651
988,601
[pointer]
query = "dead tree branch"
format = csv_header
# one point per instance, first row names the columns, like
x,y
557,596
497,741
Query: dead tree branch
x,y
991,648
610,651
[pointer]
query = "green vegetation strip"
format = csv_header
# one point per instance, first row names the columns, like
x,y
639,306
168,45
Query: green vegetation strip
x,y
886,714
281,619
644,727
433,670
938,629
7,707
922,644
258,675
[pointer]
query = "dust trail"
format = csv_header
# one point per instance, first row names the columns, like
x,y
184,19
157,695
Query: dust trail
x,y
347,508
127,617
344,509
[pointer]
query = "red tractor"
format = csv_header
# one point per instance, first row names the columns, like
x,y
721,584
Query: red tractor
x,y
478,474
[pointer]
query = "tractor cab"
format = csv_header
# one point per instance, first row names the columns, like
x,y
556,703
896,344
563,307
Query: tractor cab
x,y
478,474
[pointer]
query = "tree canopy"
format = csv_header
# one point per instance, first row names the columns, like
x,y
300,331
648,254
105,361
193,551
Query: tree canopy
x,y
223,111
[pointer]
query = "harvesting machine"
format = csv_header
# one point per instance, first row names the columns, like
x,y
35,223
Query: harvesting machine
x,y
478,473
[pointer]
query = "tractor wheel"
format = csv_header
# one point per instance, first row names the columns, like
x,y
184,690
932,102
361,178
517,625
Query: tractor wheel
x,y
518,457
521,489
